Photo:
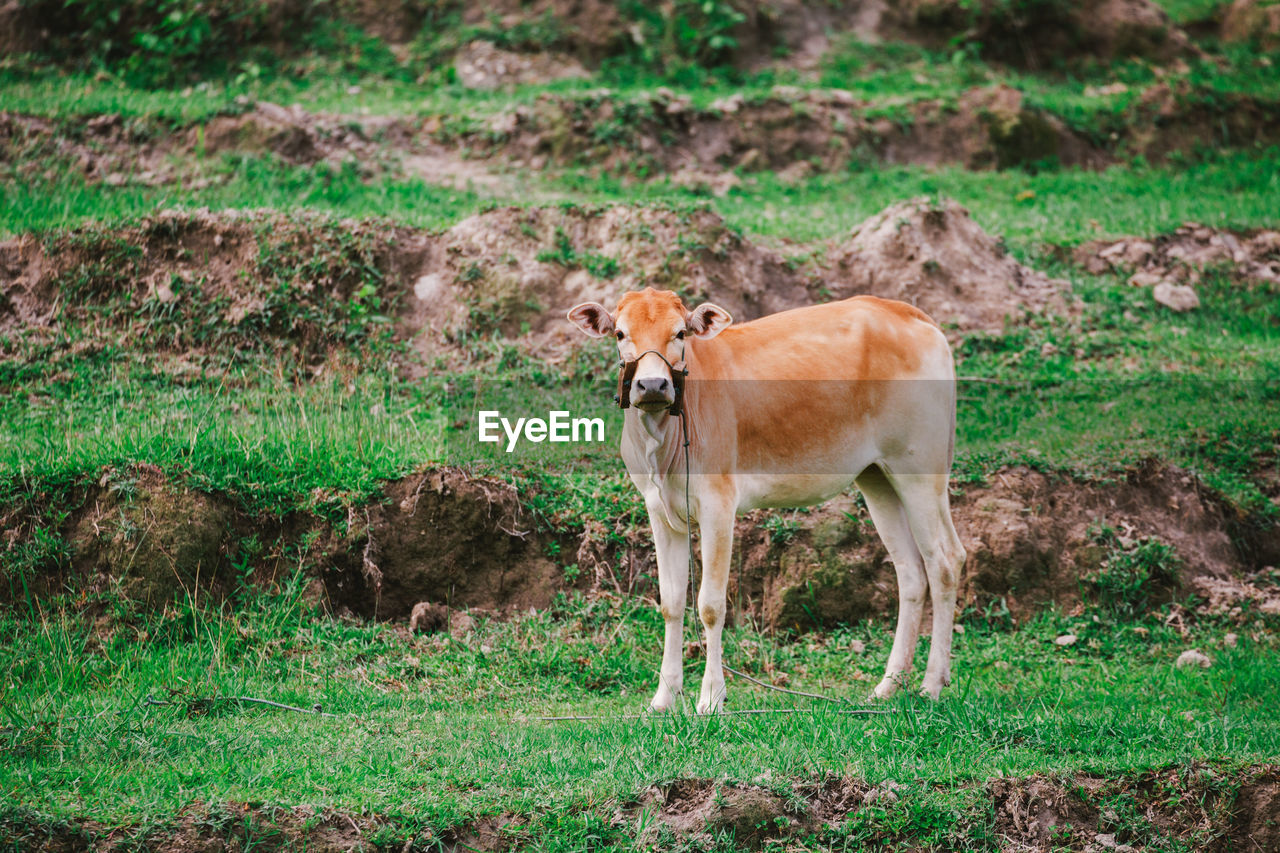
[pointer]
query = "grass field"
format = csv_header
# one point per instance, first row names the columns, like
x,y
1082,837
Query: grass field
x,y
282,403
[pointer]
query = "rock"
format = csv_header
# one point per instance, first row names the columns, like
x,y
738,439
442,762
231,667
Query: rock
x,y
428,618
1193,657
481,65
1177,297
460,625
1146,278
1066,640
1231,640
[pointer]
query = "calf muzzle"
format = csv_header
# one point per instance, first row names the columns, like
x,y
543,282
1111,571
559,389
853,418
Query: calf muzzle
x,y
627,374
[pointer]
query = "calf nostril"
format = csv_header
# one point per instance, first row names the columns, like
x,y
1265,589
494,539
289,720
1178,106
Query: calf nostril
x,y
646,385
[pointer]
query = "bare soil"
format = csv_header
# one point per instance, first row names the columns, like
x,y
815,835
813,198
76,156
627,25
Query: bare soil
x,y
208,287
442,536
1031,540
987,128
1038,35
1194,805
791,131
1251,257
462,542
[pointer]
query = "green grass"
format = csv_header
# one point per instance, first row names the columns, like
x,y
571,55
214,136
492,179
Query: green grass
x,y
443,730
433,733
244,184
1238,190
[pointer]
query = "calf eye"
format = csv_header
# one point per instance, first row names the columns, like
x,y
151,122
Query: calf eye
x,y
621,336
680,335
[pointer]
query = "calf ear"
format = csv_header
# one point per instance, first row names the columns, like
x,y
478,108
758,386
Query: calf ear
x,y
592,318
709,320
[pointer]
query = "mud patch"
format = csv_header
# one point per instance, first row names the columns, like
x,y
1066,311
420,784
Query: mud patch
x,y
1032,538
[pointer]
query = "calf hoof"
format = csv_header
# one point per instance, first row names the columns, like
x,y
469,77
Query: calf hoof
x,y
888,687
711,702
663,701
933,684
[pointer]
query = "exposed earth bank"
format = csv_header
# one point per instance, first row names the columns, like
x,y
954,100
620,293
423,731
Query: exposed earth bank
x,y
464,542
1213,809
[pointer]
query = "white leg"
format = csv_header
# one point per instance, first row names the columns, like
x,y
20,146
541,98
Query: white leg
x,y
673,580
716,526
895,531
928,509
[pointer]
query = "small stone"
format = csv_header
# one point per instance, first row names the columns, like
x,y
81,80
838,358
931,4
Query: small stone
x,y
857,647
1145,279
750,160
1231,640
1193,657
1066,640
428,618
1178,297
429,287
461,624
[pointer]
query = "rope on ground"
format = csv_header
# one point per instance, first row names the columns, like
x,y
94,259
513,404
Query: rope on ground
x,y
769,686
315,709
855,712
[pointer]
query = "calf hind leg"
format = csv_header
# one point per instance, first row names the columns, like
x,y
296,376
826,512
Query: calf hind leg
x,y
894,528
928,510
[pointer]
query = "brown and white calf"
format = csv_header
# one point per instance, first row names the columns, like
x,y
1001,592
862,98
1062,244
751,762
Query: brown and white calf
x,y
788,411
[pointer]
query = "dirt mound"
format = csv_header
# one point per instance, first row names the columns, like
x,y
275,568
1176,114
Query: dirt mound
x,y
1188,118
515,271
749,814
933,255
447,537
103,148
1180,257
442,536
1252,21
1031,538
208,289
200,828
662,132
1042,34
205,290
1192,806
110,149
1170,808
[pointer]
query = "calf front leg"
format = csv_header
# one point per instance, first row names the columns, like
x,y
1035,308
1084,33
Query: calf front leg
x,y
716,526
672,549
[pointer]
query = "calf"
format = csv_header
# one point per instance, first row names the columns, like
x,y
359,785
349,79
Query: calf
x,y
787,411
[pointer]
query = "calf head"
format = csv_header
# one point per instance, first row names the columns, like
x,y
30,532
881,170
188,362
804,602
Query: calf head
x,y
652,328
